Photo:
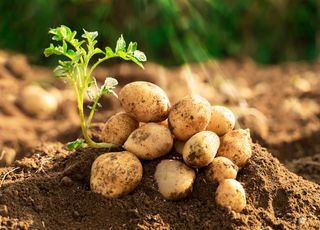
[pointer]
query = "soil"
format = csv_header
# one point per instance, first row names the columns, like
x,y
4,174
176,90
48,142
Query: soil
x,y
45,186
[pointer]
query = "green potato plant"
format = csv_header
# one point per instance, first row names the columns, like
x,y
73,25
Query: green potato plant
x,y
76,66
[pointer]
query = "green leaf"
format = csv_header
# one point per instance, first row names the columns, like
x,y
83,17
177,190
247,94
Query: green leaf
x,y
90,36
123,55
121,45
109,52
58,50
140,56
132,58
75,144
132,47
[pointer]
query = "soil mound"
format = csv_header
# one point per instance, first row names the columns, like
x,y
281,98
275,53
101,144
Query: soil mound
x,y
50,190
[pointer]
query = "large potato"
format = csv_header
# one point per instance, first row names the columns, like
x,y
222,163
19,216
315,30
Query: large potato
x,y
150,141
115,174
200,149
36,101
230,194
222,120
221,168
144,101
189,116
118,128
174,179
236,145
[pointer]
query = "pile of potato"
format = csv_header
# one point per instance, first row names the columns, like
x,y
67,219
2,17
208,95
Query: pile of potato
x,y
150,127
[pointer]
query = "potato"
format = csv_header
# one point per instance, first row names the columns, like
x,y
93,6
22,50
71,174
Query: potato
x,y
230,194
200,149
144,101
115,174
221,168
178,146
189,116
150,141
174,179
36,101
222,120
236,145
118,128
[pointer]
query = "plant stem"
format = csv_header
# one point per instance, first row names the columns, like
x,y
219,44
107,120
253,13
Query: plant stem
x,y
84,125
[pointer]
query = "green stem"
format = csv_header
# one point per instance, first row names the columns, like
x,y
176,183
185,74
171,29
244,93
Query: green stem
x,y
84,126
93,109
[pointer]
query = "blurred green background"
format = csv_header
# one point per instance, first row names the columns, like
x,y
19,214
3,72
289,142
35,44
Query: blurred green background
x,y
172,32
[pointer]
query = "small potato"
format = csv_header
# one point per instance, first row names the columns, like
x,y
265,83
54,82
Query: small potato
x,y
36,101
178,146
200,149
144,101
118,128
222,120
230,194
150,141
174,179
115,174
236,145
189,116
221,168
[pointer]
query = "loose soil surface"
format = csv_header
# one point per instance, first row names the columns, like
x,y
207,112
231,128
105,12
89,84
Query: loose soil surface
x,y
47,186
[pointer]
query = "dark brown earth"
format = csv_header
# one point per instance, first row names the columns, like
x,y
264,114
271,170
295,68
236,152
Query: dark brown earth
x,y
47,187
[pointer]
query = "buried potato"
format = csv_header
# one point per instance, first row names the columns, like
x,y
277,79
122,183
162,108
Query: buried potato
x,y
118,128
115,174
150,141
221,168
189,116
222,120
178,146
236,145
174,179
230,194
144,101
37,101
200,149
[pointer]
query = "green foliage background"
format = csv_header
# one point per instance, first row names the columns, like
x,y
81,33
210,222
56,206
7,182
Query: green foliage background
x,y
172,31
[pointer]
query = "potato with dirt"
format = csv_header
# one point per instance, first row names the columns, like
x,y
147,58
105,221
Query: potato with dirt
x,y
189,116
221,168
236,146
200,150
145,101
231,194
118,128
115,174
222,120
37,101
174,179
150,141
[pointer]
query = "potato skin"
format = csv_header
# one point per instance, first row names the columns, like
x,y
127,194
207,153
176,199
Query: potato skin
x,y
150,141
200,149
118,128
178,146
221,168
174,179
37,101
189,116
222,120
144,101
115,174
236,145
231,194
